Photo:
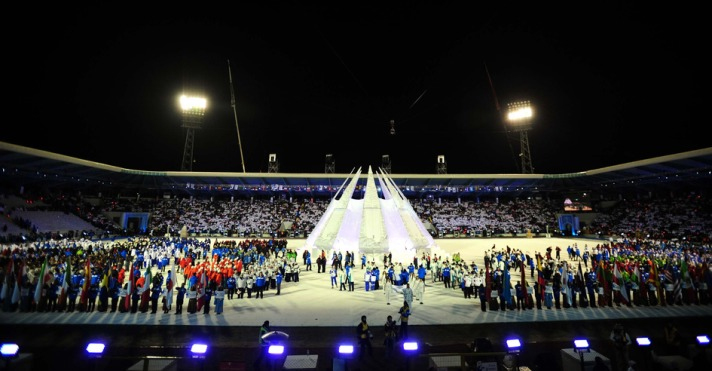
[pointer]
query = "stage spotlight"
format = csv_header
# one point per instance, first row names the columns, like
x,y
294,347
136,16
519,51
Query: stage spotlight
x,y
198,350
410,346
9,350
703,340
95,349
276,349
581,345
643,341
346,350
514,345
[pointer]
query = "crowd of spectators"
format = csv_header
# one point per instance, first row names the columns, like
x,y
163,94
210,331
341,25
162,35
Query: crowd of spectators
x,y
237,217
683,217
488,217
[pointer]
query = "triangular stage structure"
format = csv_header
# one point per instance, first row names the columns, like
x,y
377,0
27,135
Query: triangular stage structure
x,y
381,222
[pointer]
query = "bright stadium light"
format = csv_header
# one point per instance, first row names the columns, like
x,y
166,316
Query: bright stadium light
x,y
519,119
520,113
193,104
193,109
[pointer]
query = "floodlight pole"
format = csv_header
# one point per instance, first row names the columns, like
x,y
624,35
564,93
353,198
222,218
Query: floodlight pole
x,y
234,112
193,112
519,118
187,164
527,167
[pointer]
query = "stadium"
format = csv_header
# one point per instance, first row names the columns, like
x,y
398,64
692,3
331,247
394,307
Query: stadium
x,y
56,203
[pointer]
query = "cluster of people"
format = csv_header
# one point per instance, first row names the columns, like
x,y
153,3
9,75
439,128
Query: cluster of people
x,y
487,217
128,276
237,216
625,273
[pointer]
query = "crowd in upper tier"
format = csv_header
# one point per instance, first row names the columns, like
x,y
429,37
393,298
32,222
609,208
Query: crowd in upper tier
x,y
687,216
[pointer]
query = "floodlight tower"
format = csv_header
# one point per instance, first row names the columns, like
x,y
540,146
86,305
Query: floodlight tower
x,y
193,109
386,163
519,119
442,165
272,164
329,164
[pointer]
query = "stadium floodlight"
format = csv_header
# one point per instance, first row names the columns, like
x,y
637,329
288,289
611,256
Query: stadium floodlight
x,y
193,109
519,115
95,349
194,105
514,345
198,350
643,341
519,119
9,350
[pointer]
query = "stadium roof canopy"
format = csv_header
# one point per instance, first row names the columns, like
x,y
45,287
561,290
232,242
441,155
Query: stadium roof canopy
x,y
23,166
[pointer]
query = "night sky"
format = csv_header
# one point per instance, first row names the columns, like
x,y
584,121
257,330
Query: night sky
x,y
609,84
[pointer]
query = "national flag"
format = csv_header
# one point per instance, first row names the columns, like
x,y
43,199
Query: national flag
x,y
524,284
18,280
147,278
488,289
105,280
540,276
5,292
620,282
655,280
667,272
637,277
565,282
170,278
84,299
40,282
201,289
677,286
145,289
601,274
130,288
506,286
581,283
684,270
65,285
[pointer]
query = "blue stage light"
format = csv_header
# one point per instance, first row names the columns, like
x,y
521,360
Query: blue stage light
x,y
276,349
410,346
95,349
9,350
581,345
346,349
514,345
198,350
643,341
